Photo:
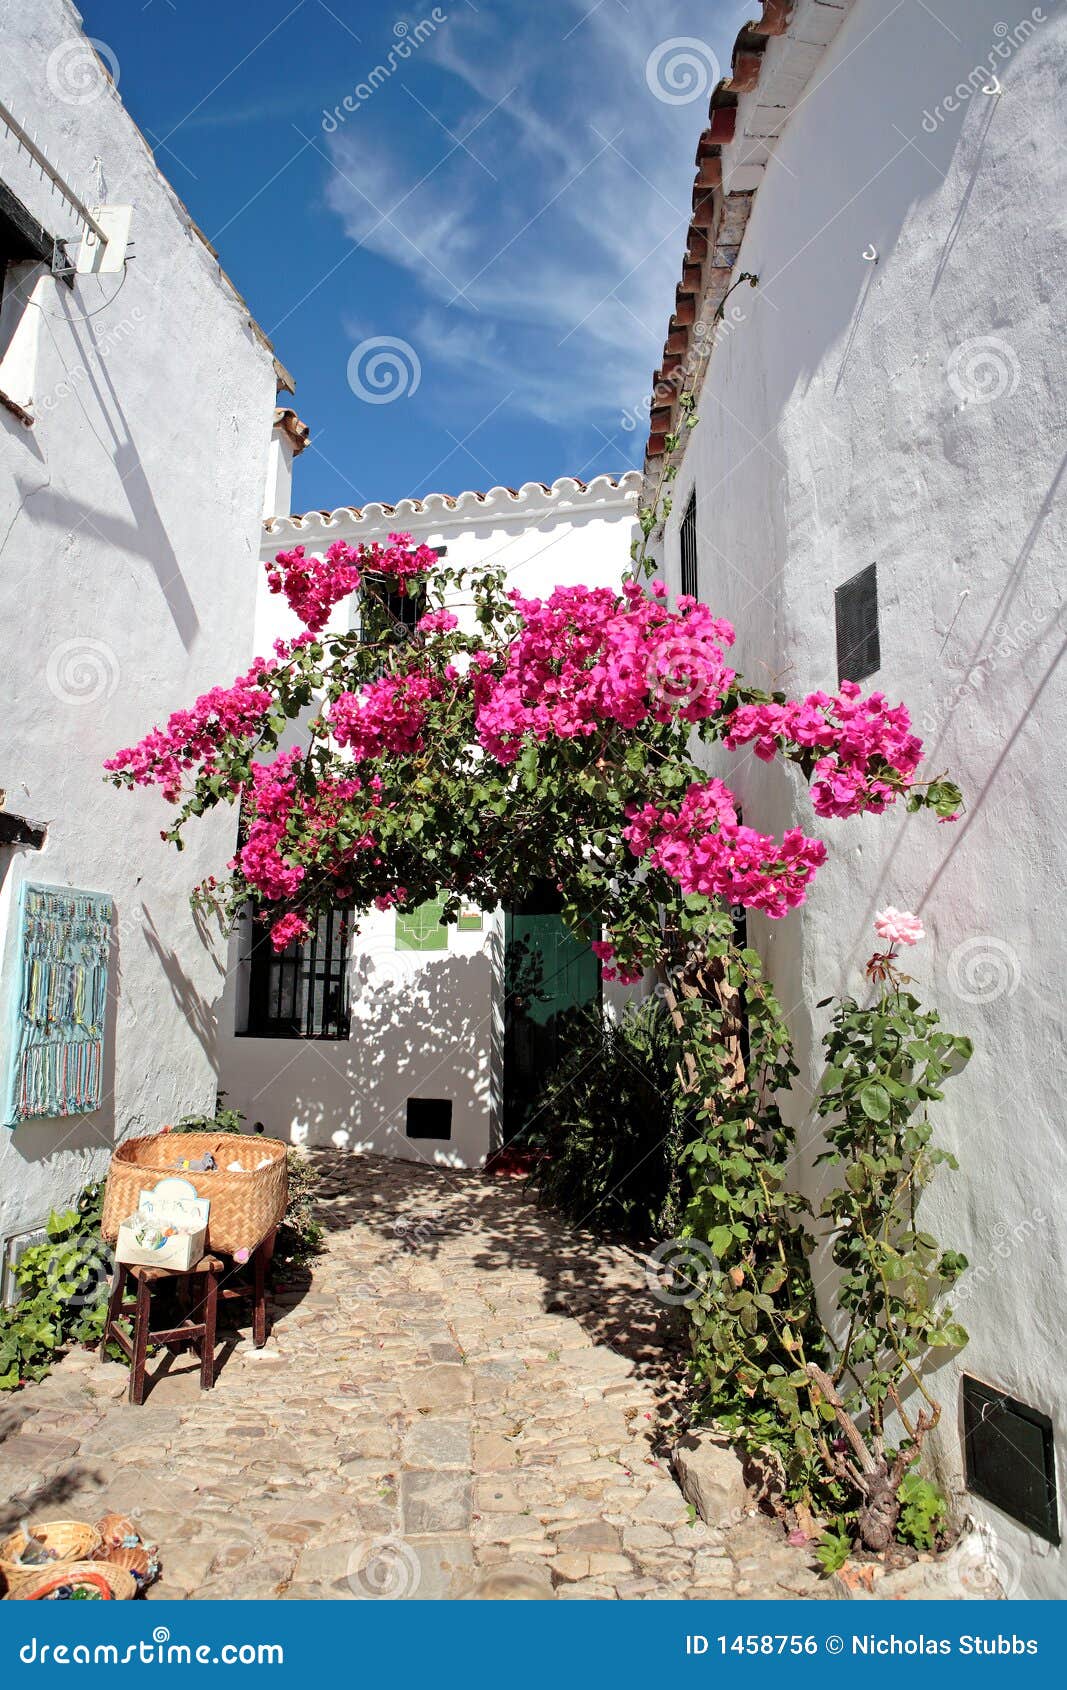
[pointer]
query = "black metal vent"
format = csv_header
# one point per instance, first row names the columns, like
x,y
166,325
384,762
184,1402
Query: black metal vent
x,y
856,613
1010,1457
429,1117
688,541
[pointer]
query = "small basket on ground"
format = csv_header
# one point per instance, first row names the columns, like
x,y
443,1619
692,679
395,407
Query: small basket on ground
x,y
246,1204
70,1541
111,1583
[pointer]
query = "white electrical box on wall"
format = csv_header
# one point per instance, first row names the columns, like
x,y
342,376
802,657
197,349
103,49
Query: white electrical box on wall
x,y
95,257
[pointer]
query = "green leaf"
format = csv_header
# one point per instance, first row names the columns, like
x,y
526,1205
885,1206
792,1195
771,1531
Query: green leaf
x,y
875,1101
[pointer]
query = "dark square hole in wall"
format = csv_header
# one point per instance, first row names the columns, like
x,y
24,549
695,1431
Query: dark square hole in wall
x,y
1010,1457
429,1117
856,615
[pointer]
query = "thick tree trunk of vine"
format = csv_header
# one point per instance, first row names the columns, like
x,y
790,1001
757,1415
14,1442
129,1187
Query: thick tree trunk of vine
x,y
707,980
876,1522
869,1472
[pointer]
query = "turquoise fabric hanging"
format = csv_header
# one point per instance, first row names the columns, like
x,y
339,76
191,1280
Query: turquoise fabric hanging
x,y
59,995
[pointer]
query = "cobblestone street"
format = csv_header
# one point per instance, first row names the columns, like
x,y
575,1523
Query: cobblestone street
x,y
467,1398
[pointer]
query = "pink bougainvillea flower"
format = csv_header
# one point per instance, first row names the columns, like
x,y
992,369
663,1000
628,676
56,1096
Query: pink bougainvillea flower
x,y
898,927
438,622
289,930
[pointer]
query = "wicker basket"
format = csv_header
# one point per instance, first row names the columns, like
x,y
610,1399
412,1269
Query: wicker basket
x,y
114,1529
137,1562
123,1585
244,1206
72,1540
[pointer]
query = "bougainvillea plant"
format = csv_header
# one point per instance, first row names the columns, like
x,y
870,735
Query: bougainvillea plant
x,y
466,741
496,739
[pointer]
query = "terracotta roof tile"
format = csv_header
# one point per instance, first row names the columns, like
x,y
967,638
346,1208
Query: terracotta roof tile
x,y
298,433
730,160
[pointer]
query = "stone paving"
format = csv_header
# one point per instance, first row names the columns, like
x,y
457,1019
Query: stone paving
x,y
467,1398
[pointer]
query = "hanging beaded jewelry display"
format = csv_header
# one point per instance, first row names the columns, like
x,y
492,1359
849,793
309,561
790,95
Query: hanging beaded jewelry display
x,y
60,1002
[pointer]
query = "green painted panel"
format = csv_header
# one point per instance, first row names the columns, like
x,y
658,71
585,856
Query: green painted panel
x,y
422,929
551,981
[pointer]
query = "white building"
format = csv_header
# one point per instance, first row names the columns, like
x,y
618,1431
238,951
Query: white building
x,y
333,1044
889,400
136,402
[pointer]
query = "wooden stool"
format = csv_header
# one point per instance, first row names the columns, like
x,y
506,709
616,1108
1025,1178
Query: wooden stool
x,y
254,1288
205,1276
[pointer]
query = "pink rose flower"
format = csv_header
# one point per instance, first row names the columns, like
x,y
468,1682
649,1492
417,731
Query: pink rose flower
x,y
898,927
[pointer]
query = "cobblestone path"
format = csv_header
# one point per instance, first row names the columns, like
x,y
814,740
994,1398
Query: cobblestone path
x,y
467,1398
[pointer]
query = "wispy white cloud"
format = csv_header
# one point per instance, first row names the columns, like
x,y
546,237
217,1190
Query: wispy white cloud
x,y
554,280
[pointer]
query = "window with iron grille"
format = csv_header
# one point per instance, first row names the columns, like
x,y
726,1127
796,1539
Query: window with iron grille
x,y
301,992
387,617
856,615
688,538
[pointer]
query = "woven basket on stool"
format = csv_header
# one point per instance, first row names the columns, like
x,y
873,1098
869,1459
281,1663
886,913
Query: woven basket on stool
x,y
244,1206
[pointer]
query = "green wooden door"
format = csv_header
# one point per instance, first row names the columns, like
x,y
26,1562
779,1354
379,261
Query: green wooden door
x,y
551,979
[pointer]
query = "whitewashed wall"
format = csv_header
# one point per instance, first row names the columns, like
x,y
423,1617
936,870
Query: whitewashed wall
x,y
909,413
129,522
424,1024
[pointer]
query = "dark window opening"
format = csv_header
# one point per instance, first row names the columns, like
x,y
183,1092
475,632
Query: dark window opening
x,y
688,541
429,1117
301,992
1010,1457
856,615
23,246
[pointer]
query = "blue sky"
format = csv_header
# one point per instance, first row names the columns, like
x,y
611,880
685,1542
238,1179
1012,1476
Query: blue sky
x,y
507,201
